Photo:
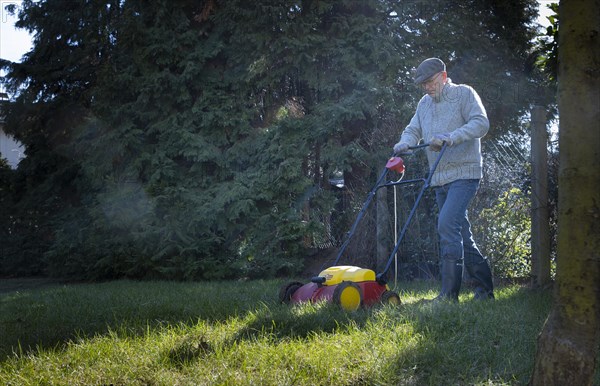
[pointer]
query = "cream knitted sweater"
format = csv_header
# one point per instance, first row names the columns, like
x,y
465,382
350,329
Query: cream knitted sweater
x,y
459,113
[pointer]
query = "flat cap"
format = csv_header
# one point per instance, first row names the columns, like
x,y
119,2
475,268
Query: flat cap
x,y
428,68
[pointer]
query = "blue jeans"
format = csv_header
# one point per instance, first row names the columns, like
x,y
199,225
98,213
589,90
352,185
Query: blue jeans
x,y
454,228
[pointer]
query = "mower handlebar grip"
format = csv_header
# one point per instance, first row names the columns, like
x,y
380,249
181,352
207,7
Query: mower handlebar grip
x,y
416,147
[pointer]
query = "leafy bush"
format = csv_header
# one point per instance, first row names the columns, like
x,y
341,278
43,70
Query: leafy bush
x,y
506,231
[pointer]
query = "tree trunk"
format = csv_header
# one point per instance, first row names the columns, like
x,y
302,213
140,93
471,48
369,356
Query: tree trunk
x,y
568,345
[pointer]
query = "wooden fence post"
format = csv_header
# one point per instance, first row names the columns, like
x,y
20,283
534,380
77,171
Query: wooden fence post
x,y
540,227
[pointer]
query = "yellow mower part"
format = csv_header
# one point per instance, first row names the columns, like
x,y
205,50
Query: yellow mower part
x,y
336,275
348,295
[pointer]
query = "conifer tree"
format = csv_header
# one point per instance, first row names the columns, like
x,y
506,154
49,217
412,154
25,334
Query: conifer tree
x,y
195,139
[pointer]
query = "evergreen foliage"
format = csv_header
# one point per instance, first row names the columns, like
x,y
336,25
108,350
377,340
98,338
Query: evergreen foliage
x,y
547,63
186,140
548,47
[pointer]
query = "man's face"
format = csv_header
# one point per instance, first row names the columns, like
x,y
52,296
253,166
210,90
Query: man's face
x,y
433,86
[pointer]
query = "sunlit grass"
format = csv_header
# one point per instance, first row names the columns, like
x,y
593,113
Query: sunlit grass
x,y
230,333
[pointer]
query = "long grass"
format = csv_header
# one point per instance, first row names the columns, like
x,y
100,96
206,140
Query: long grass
x,y
236,333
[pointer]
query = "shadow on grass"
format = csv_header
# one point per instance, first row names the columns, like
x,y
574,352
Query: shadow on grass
x,y
188,349
51,316
271,321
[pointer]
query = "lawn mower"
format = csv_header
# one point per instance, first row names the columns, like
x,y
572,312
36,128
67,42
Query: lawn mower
x,y
353,287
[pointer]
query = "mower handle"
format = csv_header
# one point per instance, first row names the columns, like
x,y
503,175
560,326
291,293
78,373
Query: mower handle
x,y
380,277
411,148
370,197
417,147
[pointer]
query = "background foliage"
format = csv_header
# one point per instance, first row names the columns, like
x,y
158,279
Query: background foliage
x,y
196,139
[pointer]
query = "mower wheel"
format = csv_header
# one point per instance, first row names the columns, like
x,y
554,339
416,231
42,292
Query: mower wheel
x,y
391,298
348,295
287,290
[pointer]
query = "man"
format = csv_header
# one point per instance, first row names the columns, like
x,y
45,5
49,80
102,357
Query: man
x,y
453,115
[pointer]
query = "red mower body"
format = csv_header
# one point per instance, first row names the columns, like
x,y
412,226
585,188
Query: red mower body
x,y
312,292
347,286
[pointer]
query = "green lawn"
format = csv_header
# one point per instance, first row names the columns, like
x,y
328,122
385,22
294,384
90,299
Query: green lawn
x,y
235,333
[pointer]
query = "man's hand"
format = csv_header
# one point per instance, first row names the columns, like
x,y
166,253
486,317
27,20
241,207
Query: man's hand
x,y
401,148
436,143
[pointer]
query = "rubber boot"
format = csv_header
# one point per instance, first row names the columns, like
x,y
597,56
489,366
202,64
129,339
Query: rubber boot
x,y
451,271
482,275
